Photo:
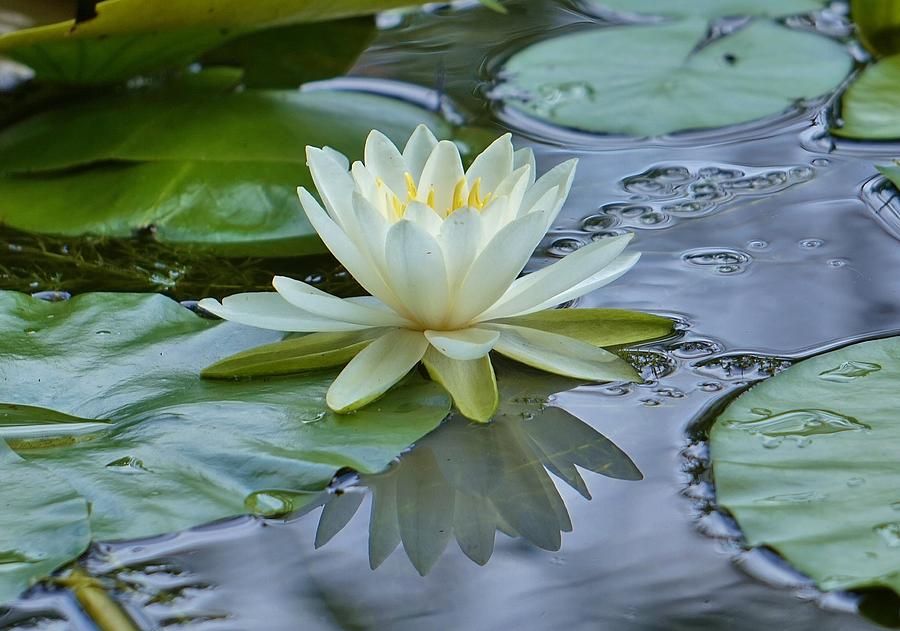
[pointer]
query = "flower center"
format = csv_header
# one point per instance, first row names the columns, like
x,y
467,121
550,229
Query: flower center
x,y
463,197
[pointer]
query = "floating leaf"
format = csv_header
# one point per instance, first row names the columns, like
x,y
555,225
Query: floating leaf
x,y
664,78
182,451
806,462
713,8
870,108
287,56
127,37
43,523
209,169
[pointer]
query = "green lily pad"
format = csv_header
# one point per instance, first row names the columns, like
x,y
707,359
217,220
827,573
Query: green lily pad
x,y
177,451
713,8
664,78
806,462
203,169
870,108
43,523
128,37
286,56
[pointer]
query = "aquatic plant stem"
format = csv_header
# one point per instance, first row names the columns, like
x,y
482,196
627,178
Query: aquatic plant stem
x,y
96,602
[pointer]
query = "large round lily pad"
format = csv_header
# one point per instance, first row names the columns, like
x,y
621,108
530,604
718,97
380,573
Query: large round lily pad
x,y
116,407
807,462
657,79
217,170
870,108
713,8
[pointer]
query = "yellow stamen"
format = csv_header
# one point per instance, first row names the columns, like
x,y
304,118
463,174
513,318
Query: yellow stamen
x,y
459,199
475,200
430,200
411,191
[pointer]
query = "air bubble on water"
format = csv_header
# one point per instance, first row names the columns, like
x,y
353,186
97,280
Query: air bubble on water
x,y
811,243
837,263
599,222
757,244
820,162
710,386
564,246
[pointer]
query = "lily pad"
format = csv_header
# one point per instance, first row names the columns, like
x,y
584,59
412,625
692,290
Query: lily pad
x,y
206,169
127,37
870,108
43,523
176,451
713,8
665,78
807,463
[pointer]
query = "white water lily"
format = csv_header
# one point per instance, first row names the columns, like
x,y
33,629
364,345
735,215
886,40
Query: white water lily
x,y
440,249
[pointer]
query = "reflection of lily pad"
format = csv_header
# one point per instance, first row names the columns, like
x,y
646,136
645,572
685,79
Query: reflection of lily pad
x,y
870,108
658,79
713,8
807,463
181,451
43,523
211,169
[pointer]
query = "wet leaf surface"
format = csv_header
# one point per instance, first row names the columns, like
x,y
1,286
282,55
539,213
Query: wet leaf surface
x,y
806,461
870,108
180,451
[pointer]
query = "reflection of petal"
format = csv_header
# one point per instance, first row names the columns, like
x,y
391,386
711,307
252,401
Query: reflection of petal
x,y
384,529
574,441
425,505
336,514
474,524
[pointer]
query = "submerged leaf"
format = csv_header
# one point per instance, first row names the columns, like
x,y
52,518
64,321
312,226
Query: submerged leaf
x,y
806,462
660,79
182,451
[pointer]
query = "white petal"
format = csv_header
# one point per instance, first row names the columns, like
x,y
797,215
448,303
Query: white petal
x,y
514,187
418,148
497,266
608,274
319,303
493,164
494,216
268,310
372,232
423,216
441,172
365,185
561,175
523,157
338,157
560,354
460,239
384,161
375,369
544,284
332,181
348,253
417,272
464,344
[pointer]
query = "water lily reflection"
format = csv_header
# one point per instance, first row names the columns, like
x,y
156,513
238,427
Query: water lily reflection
x,y
467,481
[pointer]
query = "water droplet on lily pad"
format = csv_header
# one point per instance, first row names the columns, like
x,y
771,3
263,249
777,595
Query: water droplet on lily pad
x,y
127,464
890,532
798,425
848,371
274,503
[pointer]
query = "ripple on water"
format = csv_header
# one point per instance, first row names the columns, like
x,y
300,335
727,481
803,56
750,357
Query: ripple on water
x,y
720,260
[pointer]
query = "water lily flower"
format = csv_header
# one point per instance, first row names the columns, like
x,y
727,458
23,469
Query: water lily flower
x,y
439,249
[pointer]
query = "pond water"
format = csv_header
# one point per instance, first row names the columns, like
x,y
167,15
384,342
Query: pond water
x,y
768,242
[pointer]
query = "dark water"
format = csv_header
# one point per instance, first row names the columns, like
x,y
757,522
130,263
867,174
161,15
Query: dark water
x,y
767,242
